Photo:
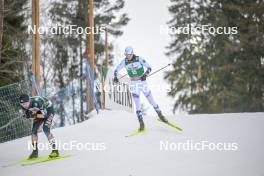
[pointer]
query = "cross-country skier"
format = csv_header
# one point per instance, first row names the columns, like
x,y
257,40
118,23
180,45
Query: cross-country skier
x,y
135,69
41,109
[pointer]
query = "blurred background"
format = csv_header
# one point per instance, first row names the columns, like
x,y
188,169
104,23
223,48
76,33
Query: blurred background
x,y
210,73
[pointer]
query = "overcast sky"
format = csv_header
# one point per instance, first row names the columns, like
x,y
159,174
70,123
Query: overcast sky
x,y
143,33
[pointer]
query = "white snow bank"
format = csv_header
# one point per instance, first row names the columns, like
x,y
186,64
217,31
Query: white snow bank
x,y
141,155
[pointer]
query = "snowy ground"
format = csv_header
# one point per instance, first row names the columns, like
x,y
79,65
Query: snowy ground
x,y
141,155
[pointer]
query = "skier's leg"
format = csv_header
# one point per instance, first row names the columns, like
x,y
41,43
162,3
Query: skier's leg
x,y
148,94
135,92
34,132
46,128
136,98
34,137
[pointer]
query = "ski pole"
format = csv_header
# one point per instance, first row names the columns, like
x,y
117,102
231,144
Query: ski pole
x,y
122,76
158,70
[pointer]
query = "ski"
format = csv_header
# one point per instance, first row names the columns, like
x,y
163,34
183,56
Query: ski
x,y
26,161
136,133
39,160
50,159
171,124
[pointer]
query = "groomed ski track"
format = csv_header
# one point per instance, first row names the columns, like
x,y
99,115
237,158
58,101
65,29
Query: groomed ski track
x,y
141,155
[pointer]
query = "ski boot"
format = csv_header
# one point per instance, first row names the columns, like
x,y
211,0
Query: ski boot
x,y
54,154
141,125
141,122
34,154
161,117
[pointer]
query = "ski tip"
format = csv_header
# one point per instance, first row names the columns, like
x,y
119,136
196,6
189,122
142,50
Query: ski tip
x,y
41,159
172,125
136,132
180,129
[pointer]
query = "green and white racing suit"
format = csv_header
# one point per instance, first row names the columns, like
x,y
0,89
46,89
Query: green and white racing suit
x,y
135,70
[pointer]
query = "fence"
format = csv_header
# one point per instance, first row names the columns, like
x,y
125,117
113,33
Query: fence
x,y
12,125
114,98
69,104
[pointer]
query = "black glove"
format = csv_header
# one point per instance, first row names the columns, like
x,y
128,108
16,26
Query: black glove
x,y
25,116
28,114
143,78
115,80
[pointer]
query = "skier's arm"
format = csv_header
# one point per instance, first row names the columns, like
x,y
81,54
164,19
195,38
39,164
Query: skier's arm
x,y
49,110
119,67
40,110
26,113
146,65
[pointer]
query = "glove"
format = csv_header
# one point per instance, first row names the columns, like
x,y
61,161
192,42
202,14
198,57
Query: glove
x,y
143,78
25,116
29,114
115,80
40,116
33,112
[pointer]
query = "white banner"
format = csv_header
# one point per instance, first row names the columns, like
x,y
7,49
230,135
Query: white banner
x,y
118,96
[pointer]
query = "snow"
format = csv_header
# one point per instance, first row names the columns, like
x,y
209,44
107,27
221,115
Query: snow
x,y
141,155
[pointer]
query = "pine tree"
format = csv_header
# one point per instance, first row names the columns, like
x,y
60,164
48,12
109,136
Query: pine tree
x,y
69,49
13,40
237,79
187,51
228,69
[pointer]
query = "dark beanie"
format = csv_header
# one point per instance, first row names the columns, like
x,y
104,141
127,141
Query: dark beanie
x,y
23,98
